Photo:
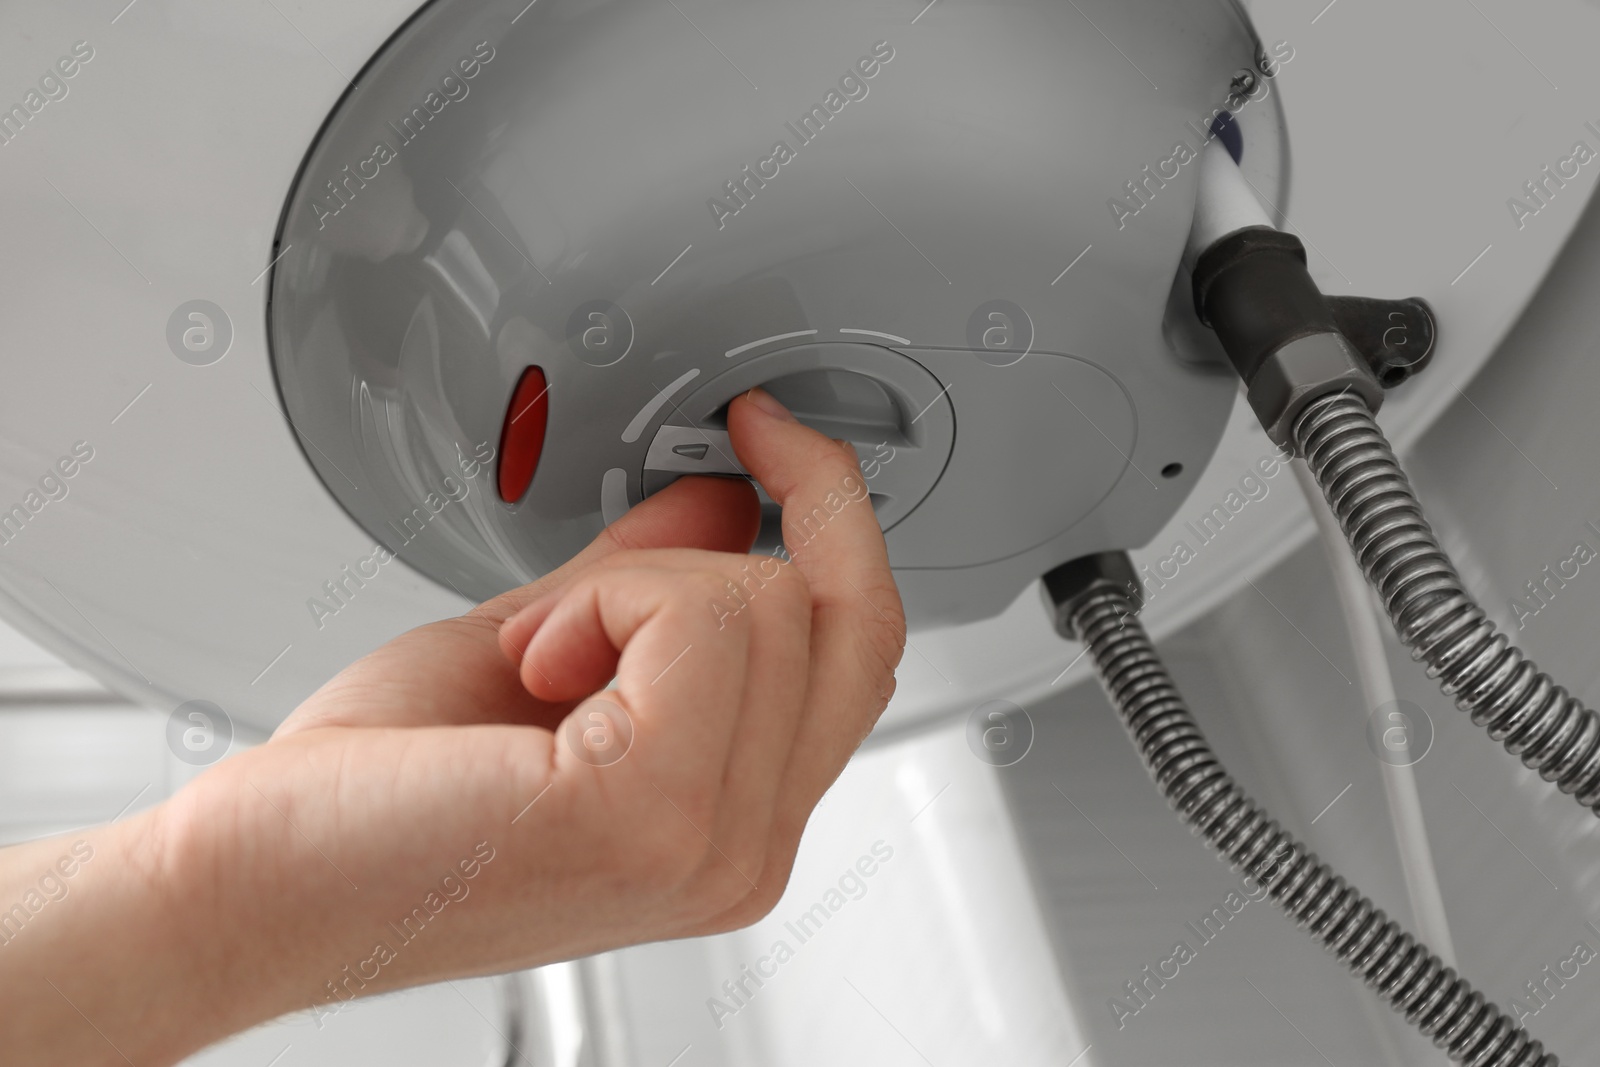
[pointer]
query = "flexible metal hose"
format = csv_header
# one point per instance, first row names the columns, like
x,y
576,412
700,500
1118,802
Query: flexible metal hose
x,y
1400,968
1489,677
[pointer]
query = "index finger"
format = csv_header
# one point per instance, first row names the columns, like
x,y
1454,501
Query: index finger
x,y
832,534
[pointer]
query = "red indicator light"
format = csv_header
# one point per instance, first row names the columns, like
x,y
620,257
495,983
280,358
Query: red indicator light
x,y
522,437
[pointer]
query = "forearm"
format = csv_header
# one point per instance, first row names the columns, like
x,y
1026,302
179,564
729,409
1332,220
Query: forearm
x,y
236,901
192,921
89,970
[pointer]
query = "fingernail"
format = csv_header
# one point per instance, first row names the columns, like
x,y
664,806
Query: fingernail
x,y
769,404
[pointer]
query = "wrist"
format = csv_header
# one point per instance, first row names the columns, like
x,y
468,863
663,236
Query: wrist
x,y
186,892
236,903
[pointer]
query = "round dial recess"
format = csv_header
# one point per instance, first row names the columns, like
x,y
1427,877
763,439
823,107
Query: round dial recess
x,y
531,257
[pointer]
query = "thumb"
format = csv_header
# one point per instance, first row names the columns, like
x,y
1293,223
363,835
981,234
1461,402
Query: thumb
x,y
718,514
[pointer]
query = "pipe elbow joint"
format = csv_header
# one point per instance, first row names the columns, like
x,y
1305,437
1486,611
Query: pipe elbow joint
x,y
1280,333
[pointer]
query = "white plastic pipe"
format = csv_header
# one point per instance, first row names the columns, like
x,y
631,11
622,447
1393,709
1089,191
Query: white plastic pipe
x,y
1224,203
1377,685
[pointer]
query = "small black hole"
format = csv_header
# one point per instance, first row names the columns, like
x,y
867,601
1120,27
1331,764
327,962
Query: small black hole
x,y
1172,470
1394,376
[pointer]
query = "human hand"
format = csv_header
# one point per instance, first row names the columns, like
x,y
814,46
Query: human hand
x,y
454,803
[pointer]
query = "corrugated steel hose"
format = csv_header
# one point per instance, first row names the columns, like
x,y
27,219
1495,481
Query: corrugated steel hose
x,y
1285,339
1537,720
1411,978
